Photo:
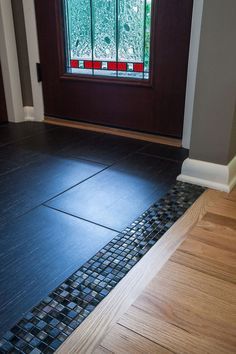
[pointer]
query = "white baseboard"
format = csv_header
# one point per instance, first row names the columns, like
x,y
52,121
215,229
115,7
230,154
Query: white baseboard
x,y
207,174
29,114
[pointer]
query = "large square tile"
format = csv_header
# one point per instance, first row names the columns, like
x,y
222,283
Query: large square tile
x,y
16,131
75,143
118,195
28,187
103,148
166,152
39,251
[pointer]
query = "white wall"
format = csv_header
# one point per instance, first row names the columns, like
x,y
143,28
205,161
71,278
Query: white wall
x,y
192,71
215,95
9,63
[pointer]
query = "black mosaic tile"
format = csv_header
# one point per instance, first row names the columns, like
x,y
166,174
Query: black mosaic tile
x,y
48,325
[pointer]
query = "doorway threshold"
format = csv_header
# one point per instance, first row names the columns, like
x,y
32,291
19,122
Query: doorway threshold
x,y
152,138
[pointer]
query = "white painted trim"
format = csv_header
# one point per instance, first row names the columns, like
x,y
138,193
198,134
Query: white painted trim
x,y
232,173
207,174
33,50
29,113
192,71
9,63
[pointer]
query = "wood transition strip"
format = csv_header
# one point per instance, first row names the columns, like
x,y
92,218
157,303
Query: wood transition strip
x,y
114,131
90,333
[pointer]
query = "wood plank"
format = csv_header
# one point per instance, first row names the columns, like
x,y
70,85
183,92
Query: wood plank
x,y
171,336
205,283
121,340
199,315
183,295
231,195
101,350
216,255
114,131
90,333
212,221
224,207
206,265
217,231
207,259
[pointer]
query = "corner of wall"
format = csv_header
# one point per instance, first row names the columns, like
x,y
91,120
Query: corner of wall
x,y
207,174
192,71
33,50
9,62
29,113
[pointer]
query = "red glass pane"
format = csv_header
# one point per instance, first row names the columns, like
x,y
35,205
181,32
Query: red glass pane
x,y
88,64
122,66
111,65
138,67
97,64
74,63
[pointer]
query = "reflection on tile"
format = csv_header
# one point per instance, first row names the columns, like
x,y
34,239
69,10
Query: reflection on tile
x,y
39,181
37,252
126,190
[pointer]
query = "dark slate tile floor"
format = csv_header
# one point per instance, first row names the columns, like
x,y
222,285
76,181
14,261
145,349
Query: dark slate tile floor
x,y
12,132
73,143
126,190
103,148
31,185
38,252
166,152
105,182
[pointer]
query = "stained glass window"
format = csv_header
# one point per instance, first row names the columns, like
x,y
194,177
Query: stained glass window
x,y
108,37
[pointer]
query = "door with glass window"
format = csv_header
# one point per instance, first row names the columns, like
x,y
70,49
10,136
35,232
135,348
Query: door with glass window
x,y
120,63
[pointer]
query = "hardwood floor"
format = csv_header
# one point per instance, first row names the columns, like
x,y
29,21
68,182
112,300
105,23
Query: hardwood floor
x,y
40,247
185,303
190,305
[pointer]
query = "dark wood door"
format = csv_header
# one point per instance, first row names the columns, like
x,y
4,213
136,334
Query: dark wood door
x,y
3,108
153,105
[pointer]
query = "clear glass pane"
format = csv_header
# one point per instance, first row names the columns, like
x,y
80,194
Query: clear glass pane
x,y
131,30
104,29
147,35
78,21
108,37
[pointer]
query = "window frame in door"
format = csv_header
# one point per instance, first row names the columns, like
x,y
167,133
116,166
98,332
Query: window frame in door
x,y
64,75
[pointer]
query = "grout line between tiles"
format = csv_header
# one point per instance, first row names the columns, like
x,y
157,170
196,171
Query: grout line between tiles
x,y
80,218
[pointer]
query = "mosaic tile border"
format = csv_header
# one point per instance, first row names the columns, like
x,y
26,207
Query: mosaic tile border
x,y
48,325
